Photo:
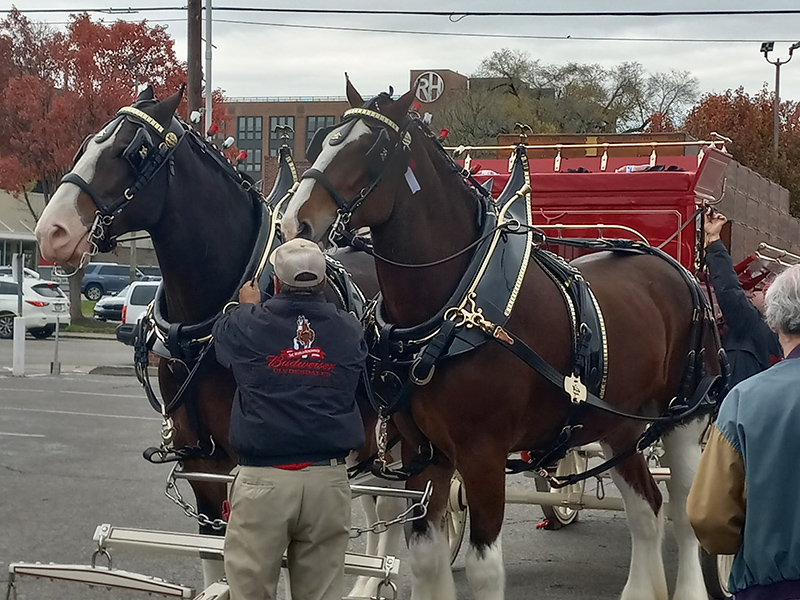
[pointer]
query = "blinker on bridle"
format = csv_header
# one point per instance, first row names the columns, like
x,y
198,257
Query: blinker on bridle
x,y
380,154
145,158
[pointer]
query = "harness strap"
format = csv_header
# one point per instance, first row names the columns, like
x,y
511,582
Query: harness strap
x,y
572,385
319,176
648,437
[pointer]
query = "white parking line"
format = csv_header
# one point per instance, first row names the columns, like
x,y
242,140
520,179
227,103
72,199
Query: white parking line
x,y
21,434
79,414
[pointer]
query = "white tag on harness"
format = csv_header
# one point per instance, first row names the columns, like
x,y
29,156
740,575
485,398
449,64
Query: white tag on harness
x,y
412,182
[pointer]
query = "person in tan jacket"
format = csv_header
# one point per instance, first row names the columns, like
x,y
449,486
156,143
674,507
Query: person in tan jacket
x,y
745,499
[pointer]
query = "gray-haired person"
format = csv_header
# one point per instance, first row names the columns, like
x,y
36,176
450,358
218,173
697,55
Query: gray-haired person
x,y
745,499
296,359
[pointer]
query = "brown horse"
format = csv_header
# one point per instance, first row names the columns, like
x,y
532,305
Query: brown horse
x,y
204,225
384,170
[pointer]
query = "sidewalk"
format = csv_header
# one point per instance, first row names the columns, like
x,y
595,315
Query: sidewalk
x,y
78,353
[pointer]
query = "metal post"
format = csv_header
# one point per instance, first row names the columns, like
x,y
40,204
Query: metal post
x,y
55,366
209,119
777,108
132,260
18,360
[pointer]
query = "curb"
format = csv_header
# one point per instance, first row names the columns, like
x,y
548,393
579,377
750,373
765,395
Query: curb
x,y
88,336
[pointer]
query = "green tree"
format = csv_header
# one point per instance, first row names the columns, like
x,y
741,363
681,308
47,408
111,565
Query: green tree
x,y
569,98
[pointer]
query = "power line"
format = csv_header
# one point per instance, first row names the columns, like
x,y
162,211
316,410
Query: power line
x,y
457,15
499,35
564,38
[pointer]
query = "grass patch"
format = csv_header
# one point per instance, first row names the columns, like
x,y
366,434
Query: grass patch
x,y
91,326
87,307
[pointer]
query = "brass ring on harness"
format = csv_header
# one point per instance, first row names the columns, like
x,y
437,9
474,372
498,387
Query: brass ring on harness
x,y
455,314
128,194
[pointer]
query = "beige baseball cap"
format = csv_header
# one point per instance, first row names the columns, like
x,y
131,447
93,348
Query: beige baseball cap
x,y
299,263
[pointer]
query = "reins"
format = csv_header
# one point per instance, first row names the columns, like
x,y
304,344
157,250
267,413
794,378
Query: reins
x,y
359,244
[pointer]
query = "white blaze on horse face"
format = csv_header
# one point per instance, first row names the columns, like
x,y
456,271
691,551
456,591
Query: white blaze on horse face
x,y
289,223
61,231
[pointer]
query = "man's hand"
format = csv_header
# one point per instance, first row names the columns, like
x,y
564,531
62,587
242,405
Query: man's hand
x,y
249,294
713,223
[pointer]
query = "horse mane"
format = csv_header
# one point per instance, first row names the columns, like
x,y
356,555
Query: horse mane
x,y
444,163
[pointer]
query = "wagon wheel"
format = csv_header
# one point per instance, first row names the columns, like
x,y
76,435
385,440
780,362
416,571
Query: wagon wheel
x,y
560,516
454,521
716,570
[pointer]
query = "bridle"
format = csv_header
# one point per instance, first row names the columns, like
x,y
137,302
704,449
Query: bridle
x,y
146,159
379,157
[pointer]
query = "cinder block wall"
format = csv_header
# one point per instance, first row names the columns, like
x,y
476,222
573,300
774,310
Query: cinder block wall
x,y
759,212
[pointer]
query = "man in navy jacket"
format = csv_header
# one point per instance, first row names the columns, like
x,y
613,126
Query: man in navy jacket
x,y
296,359
749,342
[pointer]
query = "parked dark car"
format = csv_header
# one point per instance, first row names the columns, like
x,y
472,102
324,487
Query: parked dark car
x,y
109,308
141,294
152,273
100,279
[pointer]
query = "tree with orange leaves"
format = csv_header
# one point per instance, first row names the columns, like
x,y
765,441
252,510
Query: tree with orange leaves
x,y
57,88
748,121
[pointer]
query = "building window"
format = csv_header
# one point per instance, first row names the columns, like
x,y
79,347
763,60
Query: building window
x,y
281,131
248,128
253,161
315,123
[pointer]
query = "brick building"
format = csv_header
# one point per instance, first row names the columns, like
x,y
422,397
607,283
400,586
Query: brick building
x,y
261,125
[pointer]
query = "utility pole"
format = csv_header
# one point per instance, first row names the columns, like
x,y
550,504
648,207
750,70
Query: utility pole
x,y
766,48
209,119
194,83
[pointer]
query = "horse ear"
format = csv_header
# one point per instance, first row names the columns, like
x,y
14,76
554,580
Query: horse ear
x,y
146,93
353,96
167,108
398,109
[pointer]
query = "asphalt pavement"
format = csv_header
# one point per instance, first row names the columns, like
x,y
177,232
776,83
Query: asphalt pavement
x,y
70,459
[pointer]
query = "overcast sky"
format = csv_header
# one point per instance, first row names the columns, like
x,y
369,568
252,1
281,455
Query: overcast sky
x,y
255,56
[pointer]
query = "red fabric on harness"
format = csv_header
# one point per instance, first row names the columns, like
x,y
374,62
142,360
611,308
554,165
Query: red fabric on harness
x,y
294,466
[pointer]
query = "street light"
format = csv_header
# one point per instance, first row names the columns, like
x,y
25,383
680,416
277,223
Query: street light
x,y
766,48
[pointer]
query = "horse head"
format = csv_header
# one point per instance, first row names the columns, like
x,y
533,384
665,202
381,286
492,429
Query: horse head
x,y
350,161
96,201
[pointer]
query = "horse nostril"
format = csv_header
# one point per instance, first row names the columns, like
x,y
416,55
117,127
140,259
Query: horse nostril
x,y
57,231
50,234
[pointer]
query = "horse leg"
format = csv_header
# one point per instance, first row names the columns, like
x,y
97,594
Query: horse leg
x,y
429,553
682,447
483,472
379,508
642,499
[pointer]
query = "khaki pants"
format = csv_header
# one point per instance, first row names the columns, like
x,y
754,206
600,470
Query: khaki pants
x,y
305,513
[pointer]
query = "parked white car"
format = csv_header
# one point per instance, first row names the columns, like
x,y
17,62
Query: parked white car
x,y
140,295
6,271
42,303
